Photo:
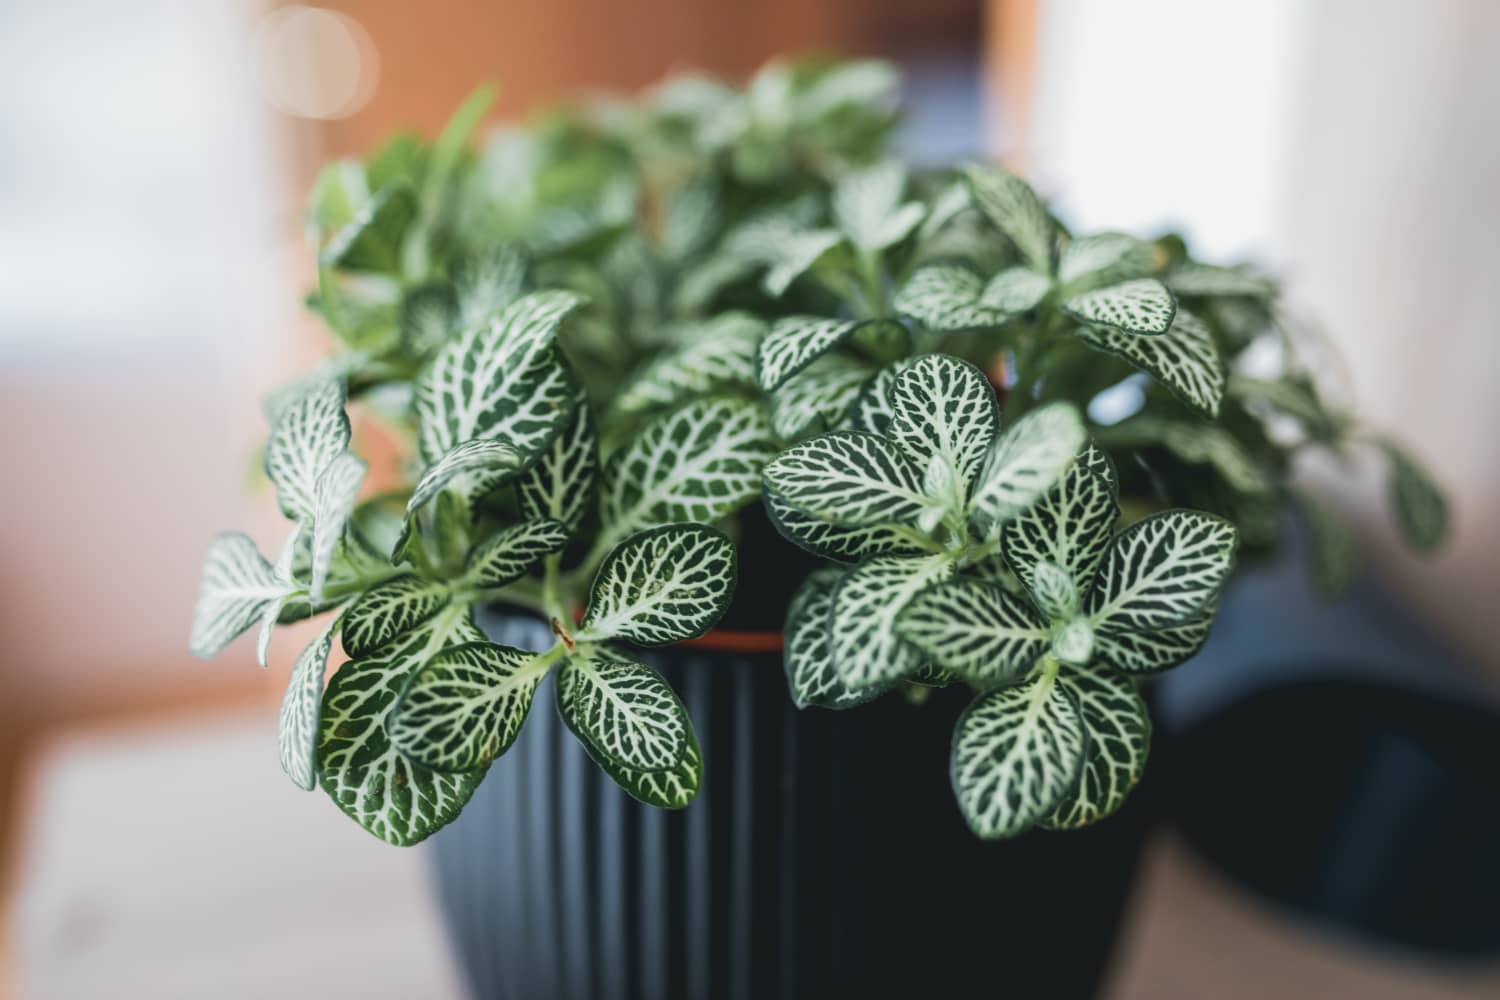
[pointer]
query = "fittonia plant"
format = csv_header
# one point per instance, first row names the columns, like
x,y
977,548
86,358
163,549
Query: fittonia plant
x,y
601,336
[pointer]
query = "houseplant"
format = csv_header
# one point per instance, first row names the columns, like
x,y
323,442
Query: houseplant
x,y
614,341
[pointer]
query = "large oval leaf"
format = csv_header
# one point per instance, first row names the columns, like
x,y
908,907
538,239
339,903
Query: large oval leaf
x,y
794,342
1119,740
943,409
976,630
1163,570
662,585
850,478
808,659
1070,526
1143,306
834,541
1027,460
512,551
623,711
386,611
1184,359
868,654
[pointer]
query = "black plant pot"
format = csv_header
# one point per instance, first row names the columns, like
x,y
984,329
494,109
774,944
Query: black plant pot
x,y
824,857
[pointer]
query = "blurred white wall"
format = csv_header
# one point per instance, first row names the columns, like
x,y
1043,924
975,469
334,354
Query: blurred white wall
x,y
1354,145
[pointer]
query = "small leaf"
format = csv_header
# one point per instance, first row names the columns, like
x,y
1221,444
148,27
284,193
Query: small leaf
x,y
310,432
868,654
1054,591
1335,554
810,674
1027,460
1155,650
1193,279
1119,735
237,588
976,630
372,240
1163,570
429,316
794,342
1015,290
719,354
833,541
1143,306
1017,755
623,711
472,470
1184,359
848,477
1195,443
333,504
1016,211
1293,396
662,585
465,706
1421,509
487,282
376,785
867,206
1073,642
1070,526
507,556
560,484
1105,258
389,610
944,298
297,724
500,380
795,256
944,409
818,397
699,463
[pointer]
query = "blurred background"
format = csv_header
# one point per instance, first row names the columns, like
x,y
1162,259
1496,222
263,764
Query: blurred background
x,y
154,158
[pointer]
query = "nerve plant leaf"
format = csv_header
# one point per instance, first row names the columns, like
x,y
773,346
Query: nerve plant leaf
x,y
505,557
1054,591
661,586
1143,306
818,397
472,470
389,610
794,342
1119,740
333,504
1184,359
714,355
1421,509
464,707
835,541
1155,650
500,380
943,410
1070,526
673,788
976,630
560,484
808,658
237,589
1027,460
1104,258
868,209
310,432
297,724
372,240
1194,279
1016,211
623,711
796,253
947,298
376,785
1161,571
868,654
848,477
1017,755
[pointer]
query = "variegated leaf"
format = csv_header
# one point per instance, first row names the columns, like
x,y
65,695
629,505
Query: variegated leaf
x,y
1104,258
500,380
1017,755
1073,642
1163,570
833,541
850,478
872,410
471,470
976,630
297,724
512,551
1421,509
429,316
818,397
943,409
1193,279
237,589
1054,591
944,298
1027,460
1184,359
661,585
719,353
487,282
334,497
1015,290
1142,306
868,654
795,255
623,711
375,784
1070,525
560,484
867,206
371,241
310,432
464,707
389,610
1119,736
699,462
670,789
794,342
1154,650
808,659
1016,211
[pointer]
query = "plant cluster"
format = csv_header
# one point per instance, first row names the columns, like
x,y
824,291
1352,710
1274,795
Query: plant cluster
x,y
1028,457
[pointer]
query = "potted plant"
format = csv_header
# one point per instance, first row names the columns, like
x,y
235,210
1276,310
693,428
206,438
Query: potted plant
x,y
991,474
